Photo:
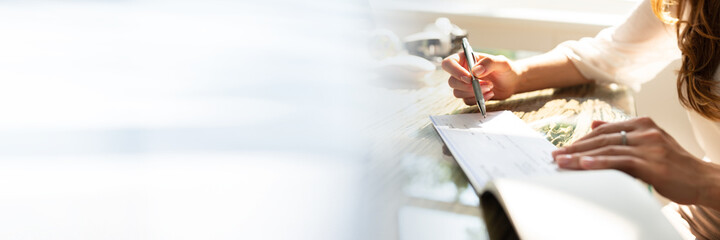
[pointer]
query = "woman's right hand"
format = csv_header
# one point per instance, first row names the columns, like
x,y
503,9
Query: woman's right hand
x,y
498,76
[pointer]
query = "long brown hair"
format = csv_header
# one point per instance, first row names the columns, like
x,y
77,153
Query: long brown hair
x,y
699,41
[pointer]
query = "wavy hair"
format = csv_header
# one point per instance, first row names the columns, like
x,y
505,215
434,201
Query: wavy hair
x,y
698,31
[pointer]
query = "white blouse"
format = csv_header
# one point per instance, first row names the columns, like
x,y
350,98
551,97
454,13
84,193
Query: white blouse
x,y
632,53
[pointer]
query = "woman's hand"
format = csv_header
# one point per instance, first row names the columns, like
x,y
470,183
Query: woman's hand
x,y
650,154
498,76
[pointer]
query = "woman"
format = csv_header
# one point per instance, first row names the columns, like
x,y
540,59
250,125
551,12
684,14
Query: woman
x,y
632,53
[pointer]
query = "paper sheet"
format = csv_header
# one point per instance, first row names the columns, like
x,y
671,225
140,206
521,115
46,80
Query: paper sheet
x,y
500,145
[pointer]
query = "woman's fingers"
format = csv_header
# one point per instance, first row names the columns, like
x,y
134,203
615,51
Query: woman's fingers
x,y
650,155
456,83
490,63
596,124
460,78
489,95
609,128
604,134
603,140
572,161
631,165
455,65
485,64
471,100
567,161
459,84
466,93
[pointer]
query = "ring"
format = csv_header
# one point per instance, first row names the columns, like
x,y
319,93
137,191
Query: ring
x,y
623,134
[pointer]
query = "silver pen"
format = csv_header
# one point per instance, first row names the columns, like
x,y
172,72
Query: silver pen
x,y
470,57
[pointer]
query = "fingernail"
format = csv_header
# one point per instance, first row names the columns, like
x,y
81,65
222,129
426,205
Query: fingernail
x,y
478,70
466,79
587,161
488,95
487,84
486,89
563,160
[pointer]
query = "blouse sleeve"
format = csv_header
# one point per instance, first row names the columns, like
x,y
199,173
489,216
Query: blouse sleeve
x,y
631,53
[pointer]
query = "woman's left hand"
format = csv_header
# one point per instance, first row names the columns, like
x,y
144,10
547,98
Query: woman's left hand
x,y
649,154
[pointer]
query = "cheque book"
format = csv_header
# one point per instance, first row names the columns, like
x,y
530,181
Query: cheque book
x,y
524,195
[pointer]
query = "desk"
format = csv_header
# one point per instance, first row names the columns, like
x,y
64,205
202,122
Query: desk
x,y
421,191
